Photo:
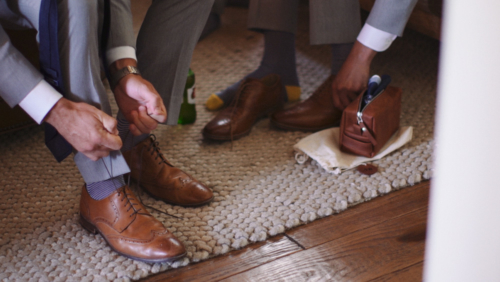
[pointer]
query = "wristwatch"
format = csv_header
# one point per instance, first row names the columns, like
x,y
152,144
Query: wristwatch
x,y
117,76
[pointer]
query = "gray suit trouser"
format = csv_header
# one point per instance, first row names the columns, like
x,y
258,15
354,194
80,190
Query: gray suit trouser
x,y
165,45
79,23
331,21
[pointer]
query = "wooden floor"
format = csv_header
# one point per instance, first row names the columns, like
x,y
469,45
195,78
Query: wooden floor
x,y
381,240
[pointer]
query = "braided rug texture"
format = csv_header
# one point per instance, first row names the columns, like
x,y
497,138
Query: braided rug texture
x,y
260,191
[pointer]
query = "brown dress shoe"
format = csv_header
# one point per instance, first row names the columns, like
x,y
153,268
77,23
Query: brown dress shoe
x,y
313,114
256,98
161,179
128,227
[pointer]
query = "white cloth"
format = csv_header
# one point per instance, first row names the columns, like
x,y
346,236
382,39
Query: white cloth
x,y
375,38
40,101
43,97
324,148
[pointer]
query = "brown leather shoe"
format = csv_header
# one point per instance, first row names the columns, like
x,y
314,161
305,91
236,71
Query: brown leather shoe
x,y
313,114
128,227
161,179
256,98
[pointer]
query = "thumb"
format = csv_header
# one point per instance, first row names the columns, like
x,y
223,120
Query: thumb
x,y
110,138
154,105
111,141
110,124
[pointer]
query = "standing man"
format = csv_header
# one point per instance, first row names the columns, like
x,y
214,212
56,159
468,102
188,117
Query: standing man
x,y
337,23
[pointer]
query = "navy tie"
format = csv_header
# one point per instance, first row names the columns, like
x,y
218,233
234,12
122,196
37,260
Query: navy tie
x,y
51,68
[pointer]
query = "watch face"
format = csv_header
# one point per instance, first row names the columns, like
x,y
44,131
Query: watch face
x,y
132,69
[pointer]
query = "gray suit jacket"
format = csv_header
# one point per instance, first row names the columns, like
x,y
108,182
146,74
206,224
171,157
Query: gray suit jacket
x,y
331,21
18,77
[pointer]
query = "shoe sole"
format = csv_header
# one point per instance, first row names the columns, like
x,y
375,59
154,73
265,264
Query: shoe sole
x,y
227,138
92,229
298,128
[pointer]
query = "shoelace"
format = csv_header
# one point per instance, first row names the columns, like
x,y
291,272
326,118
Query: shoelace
x,y
131,202
156,149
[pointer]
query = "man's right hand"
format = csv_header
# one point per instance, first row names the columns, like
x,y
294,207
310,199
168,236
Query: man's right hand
x,y
89,130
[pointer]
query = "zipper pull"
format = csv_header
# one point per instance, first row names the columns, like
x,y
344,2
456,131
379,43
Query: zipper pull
x,y
359,116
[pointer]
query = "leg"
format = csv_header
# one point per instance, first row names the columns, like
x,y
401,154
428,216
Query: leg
x,y
331,22
277,20
79,47
116,214
175,27
165,45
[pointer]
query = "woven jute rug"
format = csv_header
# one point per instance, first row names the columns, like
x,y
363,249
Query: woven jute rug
x,y
260,190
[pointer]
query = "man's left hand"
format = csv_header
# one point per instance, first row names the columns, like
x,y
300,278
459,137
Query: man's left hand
x,y
140,103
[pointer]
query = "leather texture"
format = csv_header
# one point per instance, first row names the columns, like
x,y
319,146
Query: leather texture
x,y
161,179
380,120
313,114
128,227
255,99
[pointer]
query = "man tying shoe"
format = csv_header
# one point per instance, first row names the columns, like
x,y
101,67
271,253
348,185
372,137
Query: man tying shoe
x,y
81,121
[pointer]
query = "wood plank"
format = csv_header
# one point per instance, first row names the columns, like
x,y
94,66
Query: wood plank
x,y
362,216
366,254
409,274
231,263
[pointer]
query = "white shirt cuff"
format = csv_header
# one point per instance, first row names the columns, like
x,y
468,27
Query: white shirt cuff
x,y
375,38
121,52
40,101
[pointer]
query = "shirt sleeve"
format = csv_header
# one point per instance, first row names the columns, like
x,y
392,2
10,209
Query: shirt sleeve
x,y
375,38
118,53
40,101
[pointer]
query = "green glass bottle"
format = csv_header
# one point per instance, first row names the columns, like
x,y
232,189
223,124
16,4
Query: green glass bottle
x,y
187,114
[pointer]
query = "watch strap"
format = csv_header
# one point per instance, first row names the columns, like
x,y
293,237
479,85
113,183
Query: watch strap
x,y
117,76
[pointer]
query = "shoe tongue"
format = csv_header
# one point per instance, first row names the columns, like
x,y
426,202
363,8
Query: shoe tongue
x,y
127,209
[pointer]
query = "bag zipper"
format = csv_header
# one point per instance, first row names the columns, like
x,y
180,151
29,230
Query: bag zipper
x,y
359,114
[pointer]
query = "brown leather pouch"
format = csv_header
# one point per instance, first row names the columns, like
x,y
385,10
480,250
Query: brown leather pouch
x,y
365,130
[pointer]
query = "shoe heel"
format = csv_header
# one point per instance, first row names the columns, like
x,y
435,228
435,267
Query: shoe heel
x,y
87,225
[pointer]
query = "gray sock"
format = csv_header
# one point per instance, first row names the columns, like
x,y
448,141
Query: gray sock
x,y
279,58
102,189
339,55
128,139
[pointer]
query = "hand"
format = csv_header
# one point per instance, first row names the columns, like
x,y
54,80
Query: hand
x,y
138,100
353,77
89,130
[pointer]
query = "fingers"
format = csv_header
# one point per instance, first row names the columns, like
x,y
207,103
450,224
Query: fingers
x,y
95,155
155,107
159,114
343,97
110,141
134,130
142,122
346,97
110,124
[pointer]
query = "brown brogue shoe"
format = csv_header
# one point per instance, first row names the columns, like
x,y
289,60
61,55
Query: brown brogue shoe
x,y
313,114
128,227
161,179
256,98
